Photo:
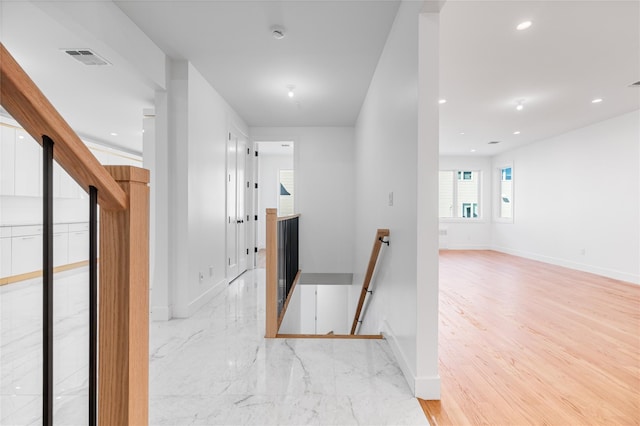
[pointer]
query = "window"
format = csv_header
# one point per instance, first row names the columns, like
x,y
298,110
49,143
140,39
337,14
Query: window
x,y
505,211
459,193
286,192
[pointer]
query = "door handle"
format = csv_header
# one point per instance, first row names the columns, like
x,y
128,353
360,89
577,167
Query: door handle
x,y
239,221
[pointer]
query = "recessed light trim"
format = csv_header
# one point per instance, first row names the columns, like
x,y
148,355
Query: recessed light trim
x,y
442,101
473,150
596,100
524,25
517,132
277,32
113,134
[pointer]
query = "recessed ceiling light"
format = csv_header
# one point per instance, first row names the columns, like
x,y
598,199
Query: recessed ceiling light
x,y
442,101
473,150
524,25
517,132
113,134
596,101
20,137
290,92
462,133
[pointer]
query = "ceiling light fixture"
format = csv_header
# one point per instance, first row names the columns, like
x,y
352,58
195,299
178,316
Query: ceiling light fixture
x,y
596,101
519,105
462,133
524,25
290,91
517,132
113,134
442,101
277,31
473,150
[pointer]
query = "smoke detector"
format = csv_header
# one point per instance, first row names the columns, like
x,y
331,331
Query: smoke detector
x,y
277,31
86,56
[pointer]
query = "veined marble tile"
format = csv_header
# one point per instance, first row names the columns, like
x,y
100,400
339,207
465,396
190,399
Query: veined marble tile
x,y
215,368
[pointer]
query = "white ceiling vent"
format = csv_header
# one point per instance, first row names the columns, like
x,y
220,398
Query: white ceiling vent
x,y
636,84
86,56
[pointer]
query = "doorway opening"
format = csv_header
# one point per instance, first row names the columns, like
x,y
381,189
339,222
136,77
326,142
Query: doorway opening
x,y
275,175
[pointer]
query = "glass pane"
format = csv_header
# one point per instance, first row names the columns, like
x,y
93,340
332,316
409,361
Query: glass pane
x,y
506,193
446,193
468,194
286,194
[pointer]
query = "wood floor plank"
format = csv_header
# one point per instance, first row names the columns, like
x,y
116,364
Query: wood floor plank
x,y
524,342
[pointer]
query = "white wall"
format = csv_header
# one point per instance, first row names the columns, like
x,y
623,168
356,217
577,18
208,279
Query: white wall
x,y
578,191
398,152
324,167
199,122
269,189
466,234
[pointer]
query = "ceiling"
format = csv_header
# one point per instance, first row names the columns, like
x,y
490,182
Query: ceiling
x,y
574,52
329,53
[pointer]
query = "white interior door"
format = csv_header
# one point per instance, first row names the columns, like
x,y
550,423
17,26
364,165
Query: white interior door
x,y
241,197
237,201
232,206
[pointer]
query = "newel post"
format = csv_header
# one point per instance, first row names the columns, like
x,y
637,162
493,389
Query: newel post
x,y
271,270
124,304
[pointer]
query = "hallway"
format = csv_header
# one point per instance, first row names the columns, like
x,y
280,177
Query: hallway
x,y
215,368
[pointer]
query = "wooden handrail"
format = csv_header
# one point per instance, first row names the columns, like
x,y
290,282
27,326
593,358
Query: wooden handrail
x,y
28,106
123,194
380,234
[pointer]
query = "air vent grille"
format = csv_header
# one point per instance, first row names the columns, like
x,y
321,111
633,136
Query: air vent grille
x,y
636,84
86,56
493,142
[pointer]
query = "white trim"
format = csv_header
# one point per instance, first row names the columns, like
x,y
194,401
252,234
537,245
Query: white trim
x,y
390,336
427,387
160,313
467,247
200,301
605,272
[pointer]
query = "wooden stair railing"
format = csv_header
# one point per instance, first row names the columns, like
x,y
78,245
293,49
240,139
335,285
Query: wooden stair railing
x,y
380,235
123,195
273,316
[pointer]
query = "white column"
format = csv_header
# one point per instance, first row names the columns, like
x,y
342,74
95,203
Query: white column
x,y
427,381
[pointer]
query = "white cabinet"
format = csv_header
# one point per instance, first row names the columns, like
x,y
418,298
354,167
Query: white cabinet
x,y
78,242
26,249
60,244
28,160
7,160
5,251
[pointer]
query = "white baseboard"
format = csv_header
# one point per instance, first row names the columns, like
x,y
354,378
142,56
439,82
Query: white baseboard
x,y
390,336
200,301
427,388
160,313
605,272
466,247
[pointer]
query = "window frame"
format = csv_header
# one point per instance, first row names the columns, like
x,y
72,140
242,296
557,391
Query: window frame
x,y
498,194
457,205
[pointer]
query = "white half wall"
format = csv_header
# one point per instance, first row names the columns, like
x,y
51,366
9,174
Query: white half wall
x,y
396,181
469,234
577,198
324,179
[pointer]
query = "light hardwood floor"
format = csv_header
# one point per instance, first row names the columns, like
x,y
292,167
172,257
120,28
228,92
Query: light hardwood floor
x,y
524,342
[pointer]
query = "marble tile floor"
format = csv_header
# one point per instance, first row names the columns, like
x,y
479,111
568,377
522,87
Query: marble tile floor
x,y
214,368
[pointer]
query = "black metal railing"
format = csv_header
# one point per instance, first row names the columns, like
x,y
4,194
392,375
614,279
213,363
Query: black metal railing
x,y
47,291
288,244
